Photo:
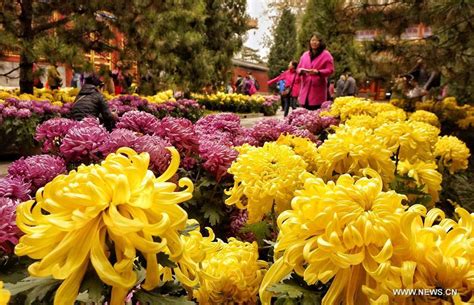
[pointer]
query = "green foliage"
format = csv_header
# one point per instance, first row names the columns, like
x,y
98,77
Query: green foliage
x,y
16,134
261,230
149,298
330,19
294,291
458,188
405,185
449,50
283,48
92,289
34,288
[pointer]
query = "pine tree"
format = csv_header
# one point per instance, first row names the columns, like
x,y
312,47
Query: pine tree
x,y
283,48
449,50
329,18
53,30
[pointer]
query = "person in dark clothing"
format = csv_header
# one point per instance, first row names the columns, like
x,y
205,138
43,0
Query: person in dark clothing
x,y
91,103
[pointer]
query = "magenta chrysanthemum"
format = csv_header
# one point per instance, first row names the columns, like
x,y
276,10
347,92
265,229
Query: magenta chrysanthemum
x,y
156,147
118,138
9,233
327,121
217,158
238,220
180,133
139,121
270,129
245,137
223,122
83,143
15,189
303,118
51,133
37,170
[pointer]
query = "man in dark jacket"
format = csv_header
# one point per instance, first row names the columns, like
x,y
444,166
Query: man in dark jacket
x,y
91,103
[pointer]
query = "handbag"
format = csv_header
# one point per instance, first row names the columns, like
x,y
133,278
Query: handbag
x,y
288,90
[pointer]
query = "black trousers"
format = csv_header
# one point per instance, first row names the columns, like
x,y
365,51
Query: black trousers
x,y
311,107
288,101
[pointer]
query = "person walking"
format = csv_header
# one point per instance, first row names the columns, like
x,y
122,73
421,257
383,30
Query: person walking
x,y
315,66
292,88
91,103
340,85
350,87
54,78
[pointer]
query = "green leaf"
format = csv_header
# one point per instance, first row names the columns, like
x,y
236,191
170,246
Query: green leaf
x,y
92,289
189,228
292,291
36,288
146,297
164,260
212,213
261,230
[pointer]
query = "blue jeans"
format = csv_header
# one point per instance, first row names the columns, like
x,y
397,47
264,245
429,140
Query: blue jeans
x,y
288,101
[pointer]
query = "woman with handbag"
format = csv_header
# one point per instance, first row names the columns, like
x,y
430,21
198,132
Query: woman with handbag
x,y
292,86
314,68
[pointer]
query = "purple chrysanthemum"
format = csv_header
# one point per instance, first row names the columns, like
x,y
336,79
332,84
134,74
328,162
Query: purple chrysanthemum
x,y
25,104
9,232
327,121
15,189
270,129
139,121
238,220
83,142
217,158
51,133
180,133
303,118
223,122
37,170
118,138
155,146
245,137
10,111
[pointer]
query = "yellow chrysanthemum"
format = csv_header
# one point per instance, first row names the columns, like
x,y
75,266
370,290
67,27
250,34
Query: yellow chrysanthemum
x,y
453,153
341,230
415,140
76,217
264,176
303,147
425,174
234,274
425,116
443,252
351,150
467,122
384,107
4,295
397,115
345,107
362,121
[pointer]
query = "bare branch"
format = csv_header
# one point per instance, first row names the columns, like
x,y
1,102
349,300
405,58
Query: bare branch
x,y
10,72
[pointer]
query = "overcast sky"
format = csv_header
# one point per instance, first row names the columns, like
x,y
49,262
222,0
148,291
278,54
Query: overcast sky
x,y
257,9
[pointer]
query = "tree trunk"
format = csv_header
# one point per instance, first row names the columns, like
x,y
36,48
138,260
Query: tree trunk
x,y
26,58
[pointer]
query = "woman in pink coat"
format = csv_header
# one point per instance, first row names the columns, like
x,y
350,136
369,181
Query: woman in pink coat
x,y
292,86
315,66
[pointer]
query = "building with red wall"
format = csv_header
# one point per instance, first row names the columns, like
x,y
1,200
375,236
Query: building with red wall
x,y
259,72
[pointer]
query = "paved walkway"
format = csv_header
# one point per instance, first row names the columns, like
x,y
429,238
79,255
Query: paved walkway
x,y
3,168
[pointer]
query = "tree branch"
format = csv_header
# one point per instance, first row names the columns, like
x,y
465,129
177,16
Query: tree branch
x,y
47,26
10,72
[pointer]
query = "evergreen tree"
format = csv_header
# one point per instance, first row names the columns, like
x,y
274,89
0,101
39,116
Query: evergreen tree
x,y
449,50
58,31
283,48
330,18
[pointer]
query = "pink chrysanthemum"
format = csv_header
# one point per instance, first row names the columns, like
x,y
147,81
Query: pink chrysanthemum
x,y
118,138
83,143
139,121
223,122
15,189
217,158
245,137
51,133
303,118
37,170
9,232
155,146
180,133
238,220
270,129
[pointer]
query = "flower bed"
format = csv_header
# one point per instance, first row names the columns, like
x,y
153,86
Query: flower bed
x,y
239,103
354,200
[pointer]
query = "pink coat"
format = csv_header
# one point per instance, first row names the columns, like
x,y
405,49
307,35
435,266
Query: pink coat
x,y
288,77
314,87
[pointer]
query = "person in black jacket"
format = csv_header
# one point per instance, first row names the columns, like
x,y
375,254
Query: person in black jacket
x,y
91,103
